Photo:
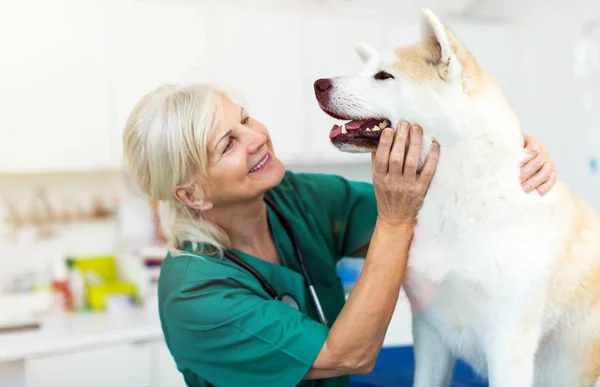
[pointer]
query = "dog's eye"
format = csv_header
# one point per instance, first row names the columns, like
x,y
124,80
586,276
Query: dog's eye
x,y
383,75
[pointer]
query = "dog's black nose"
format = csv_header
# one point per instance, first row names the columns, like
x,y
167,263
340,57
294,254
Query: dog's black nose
x,y
323,85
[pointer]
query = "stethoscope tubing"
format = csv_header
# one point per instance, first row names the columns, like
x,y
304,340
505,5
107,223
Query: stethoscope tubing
x,y
264,283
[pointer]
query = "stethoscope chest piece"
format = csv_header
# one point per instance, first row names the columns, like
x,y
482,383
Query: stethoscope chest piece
x,y
285,297
289,300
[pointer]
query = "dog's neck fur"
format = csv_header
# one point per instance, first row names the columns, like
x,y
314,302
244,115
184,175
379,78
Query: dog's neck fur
x,y
477,176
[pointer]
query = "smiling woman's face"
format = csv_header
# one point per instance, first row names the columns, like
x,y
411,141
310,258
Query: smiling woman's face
x,y
241,161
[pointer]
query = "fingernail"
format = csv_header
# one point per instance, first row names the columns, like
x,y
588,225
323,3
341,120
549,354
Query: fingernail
x,y
541,190
415,130
387,132
404,126
526,187
521,179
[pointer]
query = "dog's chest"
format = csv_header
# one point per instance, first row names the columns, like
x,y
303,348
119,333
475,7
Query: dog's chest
x,y
452,291
445,282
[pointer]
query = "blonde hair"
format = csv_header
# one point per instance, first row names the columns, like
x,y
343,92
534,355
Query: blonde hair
x,y
164,142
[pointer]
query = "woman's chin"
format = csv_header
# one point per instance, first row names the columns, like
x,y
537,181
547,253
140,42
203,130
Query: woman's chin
x,y
277,172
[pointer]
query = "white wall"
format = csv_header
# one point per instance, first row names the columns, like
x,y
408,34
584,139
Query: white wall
x,y
550,104
77,67
536,78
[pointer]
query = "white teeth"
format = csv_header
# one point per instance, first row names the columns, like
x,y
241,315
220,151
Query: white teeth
x,y
367,130
344,131
263,161
376,129
384,124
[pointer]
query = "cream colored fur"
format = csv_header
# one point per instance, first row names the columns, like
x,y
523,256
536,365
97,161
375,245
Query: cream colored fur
x,y
508,281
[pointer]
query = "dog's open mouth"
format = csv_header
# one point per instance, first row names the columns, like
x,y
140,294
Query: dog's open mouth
x,y
364,128
358,135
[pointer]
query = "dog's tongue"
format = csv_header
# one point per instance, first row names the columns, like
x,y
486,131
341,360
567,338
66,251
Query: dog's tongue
x,y
335,131
354,124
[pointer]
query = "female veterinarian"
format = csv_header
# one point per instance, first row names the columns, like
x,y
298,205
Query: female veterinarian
x,y
249,295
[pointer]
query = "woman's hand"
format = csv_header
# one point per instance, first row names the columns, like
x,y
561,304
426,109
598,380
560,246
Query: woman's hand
x,y
539,172
399,189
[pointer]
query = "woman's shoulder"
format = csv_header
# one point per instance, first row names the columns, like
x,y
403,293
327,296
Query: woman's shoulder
x,y
309,179
182,270
302,184
312,189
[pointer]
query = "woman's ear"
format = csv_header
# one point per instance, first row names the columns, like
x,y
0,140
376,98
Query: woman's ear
x,y
190,196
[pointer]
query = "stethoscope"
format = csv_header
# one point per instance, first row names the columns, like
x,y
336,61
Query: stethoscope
x,y
286,298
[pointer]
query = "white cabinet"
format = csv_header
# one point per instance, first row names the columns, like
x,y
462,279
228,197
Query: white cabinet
x,y
123,365
151,43
54,100
258,54
146,363
164,369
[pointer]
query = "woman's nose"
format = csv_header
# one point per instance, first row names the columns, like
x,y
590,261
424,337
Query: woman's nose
x,y
256,140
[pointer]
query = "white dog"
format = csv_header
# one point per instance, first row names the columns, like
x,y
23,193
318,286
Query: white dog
x,y
508,281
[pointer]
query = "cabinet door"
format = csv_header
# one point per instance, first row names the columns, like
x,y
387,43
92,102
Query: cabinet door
x,y
164,369
329,53
54,99
151,43
259,57
116,366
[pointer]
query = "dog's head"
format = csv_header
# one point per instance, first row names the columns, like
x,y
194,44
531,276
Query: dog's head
x,y
431,83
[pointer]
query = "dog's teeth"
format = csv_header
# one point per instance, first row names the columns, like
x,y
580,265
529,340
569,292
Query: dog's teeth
x,y
376,129
367,130
384,124
344,131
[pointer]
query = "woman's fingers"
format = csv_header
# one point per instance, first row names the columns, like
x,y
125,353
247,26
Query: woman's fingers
x,y
414,149
381,156
544,188
398,188
429,166
542,176
398,150
531,167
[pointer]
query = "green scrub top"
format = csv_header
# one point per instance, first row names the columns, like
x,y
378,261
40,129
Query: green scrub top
x,y
224,330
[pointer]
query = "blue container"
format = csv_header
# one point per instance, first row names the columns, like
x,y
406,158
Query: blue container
x,y
395,367
349,269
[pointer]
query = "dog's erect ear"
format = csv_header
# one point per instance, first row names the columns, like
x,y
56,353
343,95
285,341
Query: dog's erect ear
x,y
438,46
365,52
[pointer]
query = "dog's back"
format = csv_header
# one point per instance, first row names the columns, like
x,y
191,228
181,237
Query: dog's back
x,y
573,300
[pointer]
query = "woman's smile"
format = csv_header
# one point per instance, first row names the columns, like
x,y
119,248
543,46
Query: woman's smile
x,y
262,164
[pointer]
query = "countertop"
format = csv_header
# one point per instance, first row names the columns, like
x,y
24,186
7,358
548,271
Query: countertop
x,y
72,332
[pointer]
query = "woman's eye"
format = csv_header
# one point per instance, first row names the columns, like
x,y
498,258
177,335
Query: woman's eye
x,y
245,120
229,145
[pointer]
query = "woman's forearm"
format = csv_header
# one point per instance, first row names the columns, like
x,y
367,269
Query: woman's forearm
x,y
356,337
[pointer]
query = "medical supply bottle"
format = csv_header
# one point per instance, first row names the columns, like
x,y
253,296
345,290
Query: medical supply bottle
x,y
60,286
